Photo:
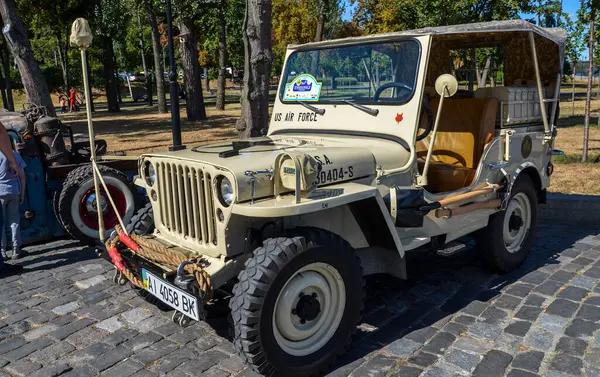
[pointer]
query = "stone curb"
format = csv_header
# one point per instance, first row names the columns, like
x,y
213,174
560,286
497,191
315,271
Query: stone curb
x,y
566,208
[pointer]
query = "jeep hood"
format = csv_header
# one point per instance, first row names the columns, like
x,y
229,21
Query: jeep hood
x,y
341,160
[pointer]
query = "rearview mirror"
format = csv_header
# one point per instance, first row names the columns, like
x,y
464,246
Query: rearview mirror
x,y
446,81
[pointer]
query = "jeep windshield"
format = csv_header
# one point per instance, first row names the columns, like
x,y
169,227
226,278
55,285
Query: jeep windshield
x,y
374,73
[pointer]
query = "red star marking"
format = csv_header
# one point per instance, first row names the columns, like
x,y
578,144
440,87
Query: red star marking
x,y
399,118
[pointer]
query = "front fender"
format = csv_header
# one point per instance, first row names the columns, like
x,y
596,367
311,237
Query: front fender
x,y
364,201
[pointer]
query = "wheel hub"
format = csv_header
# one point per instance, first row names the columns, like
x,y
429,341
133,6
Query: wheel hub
x,y
85,210
515,222
91,204
308,307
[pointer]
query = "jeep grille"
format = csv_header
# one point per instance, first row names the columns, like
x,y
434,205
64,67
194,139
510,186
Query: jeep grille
x,y
186,202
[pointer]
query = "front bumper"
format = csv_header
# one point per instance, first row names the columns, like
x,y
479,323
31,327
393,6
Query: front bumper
x,y
136,264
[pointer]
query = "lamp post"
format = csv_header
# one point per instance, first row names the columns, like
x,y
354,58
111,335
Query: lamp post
x,y
81,36
175,119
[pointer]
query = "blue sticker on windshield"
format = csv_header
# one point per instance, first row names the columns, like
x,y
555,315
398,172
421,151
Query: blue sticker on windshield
x,y
303,88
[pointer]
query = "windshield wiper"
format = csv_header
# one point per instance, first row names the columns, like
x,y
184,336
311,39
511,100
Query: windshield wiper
x,y
366,109
311,107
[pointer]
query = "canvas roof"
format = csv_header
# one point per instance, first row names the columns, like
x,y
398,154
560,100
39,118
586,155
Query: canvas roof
x,y
556,35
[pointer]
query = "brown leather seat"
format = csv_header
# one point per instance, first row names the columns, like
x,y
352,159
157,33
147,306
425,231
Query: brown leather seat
x,y
465,128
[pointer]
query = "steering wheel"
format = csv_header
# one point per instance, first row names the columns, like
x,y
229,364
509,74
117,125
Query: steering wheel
x,y
426,110
395,84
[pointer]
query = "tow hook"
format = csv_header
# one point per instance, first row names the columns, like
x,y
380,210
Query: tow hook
x,y
181,319
184,281
119,278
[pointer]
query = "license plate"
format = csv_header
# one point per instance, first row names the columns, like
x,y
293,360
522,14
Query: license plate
x,y
171,295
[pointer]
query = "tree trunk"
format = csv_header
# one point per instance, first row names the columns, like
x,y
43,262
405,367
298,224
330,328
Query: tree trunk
x,y
129,85
109,77
36,88
471,72
588,99
222,58
321,21
573,93
158,64
257,69
147,76
3,90
194,100
6,69
117,80
206,79
63,57
324,4
559,15
66,57
481,79
89,89
598,92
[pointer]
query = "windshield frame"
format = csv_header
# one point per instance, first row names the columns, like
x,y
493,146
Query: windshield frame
x,y
283,81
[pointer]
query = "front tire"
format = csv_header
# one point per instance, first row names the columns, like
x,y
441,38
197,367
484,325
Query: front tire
x,y
297,303
507,240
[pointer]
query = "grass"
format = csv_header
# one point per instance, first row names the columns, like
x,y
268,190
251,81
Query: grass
x,y
140,129
571,176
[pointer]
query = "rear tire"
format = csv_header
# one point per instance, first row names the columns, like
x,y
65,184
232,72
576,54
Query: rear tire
x,y
76,202
509,236
297,304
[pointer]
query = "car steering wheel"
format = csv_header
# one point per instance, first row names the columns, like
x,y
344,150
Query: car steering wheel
x,y
426,110
395,84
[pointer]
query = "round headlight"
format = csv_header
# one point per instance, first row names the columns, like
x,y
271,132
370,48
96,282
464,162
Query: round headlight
x,y
149,173
225,191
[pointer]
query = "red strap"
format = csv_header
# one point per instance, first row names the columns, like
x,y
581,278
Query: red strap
x,y
116,259
129,242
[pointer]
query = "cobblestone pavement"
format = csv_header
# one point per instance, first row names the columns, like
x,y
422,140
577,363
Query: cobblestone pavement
x,y
64,316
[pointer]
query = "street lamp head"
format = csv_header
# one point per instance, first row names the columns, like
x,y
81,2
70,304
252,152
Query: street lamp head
x,y
81,34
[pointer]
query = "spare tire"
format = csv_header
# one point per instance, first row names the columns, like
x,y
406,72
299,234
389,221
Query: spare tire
x,y
77,208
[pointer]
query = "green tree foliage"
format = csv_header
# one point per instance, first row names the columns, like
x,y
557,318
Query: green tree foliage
x,y
575,44
380,16
296,22
208,27
546,12
50,24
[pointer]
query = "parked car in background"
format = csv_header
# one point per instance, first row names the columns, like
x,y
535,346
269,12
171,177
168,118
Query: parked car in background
x,y
137,77
59,196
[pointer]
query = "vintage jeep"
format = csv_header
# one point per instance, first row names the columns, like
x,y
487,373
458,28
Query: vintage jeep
x,y
371,153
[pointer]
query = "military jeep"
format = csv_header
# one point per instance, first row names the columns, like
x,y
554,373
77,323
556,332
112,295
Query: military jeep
x,y
378,146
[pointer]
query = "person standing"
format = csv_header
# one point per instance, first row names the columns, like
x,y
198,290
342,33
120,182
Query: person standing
x,y
72,100
63,105
12,193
